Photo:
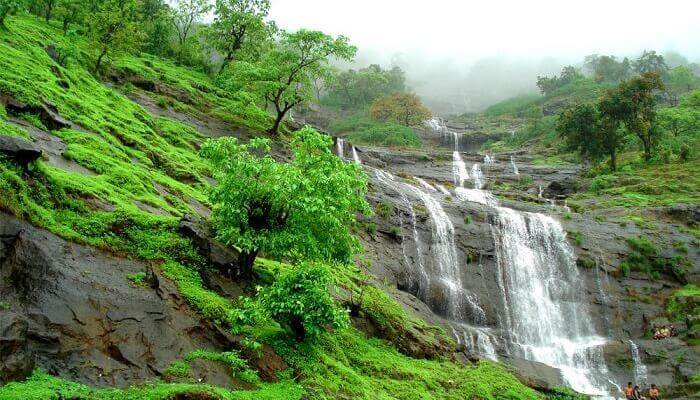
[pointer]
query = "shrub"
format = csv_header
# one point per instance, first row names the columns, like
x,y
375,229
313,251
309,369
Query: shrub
x,y
385,209
388,134
300,300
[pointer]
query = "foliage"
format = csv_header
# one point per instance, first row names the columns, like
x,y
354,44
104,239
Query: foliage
x,y
239,26
186,15
684,302
645,257
239,367
138,278
300,300
648,62
179,369
548,85
518,105
387,134
284,76
9,7
113,28
70,12
358,88
403,108
607,68
41,386
155,19
300,210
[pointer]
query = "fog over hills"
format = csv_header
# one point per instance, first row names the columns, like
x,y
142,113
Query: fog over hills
x,y
463,56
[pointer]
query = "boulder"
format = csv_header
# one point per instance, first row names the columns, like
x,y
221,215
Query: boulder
x,y
534,374
19,150
561,188
16,362
219,255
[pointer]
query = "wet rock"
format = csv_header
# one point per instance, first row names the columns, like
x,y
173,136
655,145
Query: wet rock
x,y
47,113
19,150
219,255
73,313
561,189
536,375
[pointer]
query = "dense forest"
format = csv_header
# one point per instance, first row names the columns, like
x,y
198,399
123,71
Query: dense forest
x,y
181,218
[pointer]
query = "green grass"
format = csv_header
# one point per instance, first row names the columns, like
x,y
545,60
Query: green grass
x,y
41,386
516,105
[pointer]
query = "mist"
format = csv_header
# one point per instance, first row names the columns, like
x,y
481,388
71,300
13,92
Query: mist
x,y
462,56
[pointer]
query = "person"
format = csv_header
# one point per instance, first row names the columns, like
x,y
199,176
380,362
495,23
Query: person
x,y
629,391
653,392
638,394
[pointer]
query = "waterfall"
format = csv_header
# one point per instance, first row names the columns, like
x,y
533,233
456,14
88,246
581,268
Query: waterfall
x,y
544,317
425,185
488,160
443,190
459,169
355,157
477,176
640,370
539,193
339,144
513,166
445,262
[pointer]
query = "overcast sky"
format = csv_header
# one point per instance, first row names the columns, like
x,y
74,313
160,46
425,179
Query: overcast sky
x,y
435,38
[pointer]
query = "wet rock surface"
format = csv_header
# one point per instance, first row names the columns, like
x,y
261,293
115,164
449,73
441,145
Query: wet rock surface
x,y
18,150
71,311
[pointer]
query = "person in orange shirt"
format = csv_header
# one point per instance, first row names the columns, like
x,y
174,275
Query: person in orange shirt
x,y
654,393
629,391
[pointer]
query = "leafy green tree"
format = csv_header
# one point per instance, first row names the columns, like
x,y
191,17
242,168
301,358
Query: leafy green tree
x,y
607,68
649,61
680,80
403,108
633,103
70,12
300,300
361,87
679,121
592,135
113,28
239,25
284,75
9,7
155,18
185,16
48,6
548,85
301,210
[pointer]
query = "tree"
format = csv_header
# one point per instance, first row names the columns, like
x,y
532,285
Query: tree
x,y
113,28
592,135
300,300
548,85
679,121
49,6
633,103
69,12
404,108
284,75
363,86
239,24
301,210
186,14
680,80
156,23
649,61
9,7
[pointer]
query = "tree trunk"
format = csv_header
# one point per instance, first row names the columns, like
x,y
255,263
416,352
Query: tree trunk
x,y
99,61
246,260
278,121
613,160
297,326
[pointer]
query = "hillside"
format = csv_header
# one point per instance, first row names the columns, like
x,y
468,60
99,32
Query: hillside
x,y
104,293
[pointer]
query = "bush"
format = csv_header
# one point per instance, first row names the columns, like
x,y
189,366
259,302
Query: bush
x,y
387,134
300,300
602,182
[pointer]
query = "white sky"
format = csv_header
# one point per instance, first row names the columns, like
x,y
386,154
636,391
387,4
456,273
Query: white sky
x,y
465,55
484,28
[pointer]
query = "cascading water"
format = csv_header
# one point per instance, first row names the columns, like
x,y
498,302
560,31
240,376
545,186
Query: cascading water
x,y
446,266
459,169
640,370
477,176
513,166
488,160
356,157
339,145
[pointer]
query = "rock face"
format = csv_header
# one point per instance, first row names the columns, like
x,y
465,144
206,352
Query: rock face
x,y
18,150
47,113
222,257
71,311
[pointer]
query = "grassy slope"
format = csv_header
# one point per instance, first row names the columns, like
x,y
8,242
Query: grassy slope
x,y
130,152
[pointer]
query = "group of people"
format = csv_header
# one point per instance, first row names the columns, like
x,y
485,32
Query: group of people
x,y
664,332
635,393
